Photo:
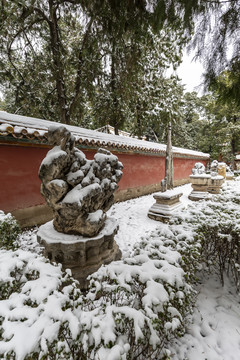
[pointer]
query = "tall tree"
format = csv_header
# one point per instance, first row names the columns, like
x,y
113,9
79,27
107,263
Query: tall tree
x,y
48,57
225,127
153,95
51,52
217,43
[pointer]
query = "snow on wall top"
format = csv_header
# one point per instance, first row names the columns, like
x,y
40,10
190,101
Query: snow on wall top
x,y
32,128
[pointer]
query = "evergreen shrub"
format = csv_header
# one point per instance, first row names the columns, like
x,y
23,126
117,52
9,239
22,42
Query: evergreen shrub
x,y
9,231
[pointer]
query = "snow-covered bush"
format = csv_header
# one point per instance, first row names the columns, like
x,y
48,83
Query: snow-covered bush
x,y
9,231
133,308
220,235
146,297
216,228
35,301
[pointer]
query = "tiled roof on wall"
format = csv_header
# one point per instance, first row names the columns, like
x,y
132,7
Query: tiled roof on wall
x,y
24,127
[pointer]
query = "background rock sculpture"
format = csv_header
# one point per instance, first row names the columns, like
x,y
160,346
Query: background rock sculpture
x,y
198,169
79,191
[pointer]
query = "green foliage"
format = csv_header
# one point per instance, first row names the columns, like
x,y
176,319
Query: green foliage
x,y
9,231
224,127
49,56
216,32
216,224
122,314
85,62
221,249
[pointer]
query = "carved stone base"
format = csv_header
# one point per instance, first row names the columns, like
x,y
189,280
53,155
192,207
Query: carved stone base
x,y
199,195
200,187
215,183
166,203
82,255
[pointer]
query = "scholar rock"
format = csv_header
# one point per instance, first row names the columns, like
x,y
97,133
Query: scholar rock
x,y
198,169
79,191
214,168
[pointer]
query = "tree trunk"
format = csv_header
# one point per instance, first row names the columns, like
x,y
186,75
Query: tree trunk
x,y
114,110
57,64
169,159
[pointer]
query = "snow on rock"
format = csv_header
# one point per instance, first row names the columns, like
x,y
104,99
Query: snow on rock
x,y
75,187
52,154
79,194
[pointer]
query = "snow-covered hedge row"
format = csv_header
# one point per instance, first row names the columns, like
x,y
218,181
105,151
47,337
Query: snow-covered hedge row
x,y
147,296
133,307
220,235
217,227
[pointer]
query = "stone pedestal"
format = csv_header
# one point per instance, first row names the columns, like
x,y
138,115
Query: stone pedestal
x,y
200,187
83,255
166,203
215,183
229,176
222,169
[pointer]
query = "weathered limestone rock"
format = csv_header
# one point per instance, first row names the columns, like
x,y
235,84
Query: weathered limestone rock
x,y
79,191
80,254
229,173
198,169
216,181
214,168
166,203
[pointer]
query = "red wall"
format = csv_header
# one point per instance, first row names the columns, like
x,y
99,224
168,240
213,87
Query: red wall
x,y
20,185
183,167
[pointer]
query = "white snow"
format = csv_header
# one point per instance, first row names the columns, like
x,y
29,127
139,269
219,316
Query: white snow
x,y
217,177
48,232
214,332
78,194
204,175
52,154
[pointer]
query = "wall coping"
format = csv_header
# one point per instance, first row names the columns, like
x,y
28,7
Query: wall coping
x,y
35,130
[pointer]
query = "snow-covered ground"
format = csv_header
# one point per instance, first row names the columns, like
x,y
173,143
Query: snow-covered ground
x,y
213,332
133,220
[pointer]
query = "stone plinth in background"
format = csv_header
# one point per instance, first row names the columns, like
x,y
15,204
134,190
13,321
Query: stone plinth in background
x,y
200,187
166,203
215,183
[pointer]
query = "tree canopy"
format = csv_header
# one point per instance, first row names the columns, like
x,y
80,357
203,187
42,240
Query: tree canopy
x,y
91,63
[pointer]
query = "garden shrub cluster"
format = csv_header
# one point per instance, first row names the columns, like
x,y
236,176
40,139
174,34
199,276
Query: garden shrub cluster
x,y
216,224
220,236
133,307
9,231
